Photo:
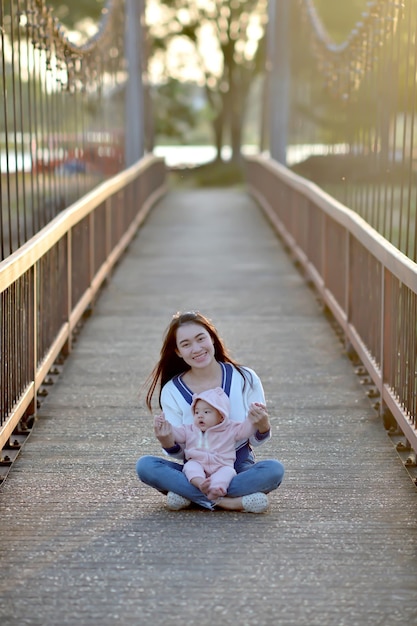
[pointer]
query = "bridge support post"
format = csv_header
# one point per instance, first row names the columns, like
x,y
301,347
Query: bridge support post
x,y
278,71
134,121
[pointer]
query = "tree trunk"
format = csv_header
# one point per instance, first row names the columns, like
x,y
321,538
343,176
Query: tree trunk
x,y
217,122
236,123
218,135
239,94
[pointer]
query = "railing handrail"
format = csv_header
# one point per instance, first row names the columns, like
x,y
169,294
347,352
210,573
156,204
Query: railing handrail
x,y
47,284
369,285
401,266
21,260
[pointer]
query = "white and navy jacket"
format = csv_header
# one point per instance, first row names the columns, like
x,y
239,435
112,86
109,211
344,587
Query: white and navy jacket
x,y
176,399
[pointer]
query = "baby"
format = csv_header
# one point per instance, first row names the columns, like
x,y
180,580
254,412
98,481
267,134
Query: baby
x,y
210,442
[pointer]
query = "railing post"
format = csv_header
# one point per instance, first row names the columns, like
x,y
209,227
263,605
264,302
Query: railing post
x,y
68,344
382,331
33,345
386,336
348,280
108,229
92,247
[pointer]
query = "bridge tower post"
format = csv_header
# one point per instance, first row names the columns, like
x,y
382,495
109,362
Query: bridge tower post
x,y
134,106
278,76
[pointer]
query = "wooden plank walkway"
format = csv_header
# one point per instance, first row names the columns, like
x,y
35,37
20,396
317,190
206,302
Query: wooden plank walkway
x,y
84,543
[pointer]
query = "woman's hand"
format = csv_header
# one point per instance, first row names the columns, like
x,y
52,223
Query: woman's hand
x,y
163,431
259,417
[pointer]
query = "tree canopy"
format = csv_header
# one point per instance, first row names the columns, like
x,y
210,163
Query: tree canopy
x,y
339,18
220,44
224,41
74,12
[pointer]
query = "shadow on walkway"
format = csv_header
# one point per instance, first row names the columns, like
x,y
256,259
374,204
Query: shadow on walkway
x,y
83,542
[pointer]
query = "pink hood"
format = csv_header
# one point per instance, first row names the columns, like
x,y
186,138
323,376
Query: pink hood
x,y
216,398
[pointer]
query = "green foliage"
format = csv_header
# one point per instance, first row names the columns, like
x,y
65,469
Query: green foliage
x,y
339,18
175,113
226,39
219,174
72,12
326,119
213,174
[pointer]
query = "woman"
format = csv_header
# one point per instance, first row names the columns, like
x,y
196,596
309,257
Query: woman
x,y
195,359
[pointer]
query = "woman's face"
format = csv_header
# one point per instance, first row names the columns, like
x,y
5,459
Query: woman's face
x,y
195,345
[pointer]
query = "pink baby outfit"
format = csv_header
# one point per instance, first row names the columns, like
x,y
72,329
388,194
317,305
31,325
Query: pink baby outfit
x,y
213,452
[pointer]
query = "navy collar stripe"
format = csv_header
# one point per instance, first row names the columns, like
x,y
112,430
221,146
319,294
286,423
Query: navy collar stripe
x,y
184,391
227,373
227,377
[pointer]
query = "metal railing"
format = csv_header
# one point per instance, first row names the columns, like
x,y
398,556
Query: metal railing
x,y
47,285
369,286
351,123
62,114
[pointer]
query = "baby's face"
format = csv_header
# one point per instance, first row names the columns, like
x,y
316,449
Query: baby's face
x,y
205,415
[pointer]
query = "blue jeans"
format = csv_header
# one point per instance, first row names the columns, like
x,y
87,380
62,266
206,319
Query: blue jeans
x,y
165,475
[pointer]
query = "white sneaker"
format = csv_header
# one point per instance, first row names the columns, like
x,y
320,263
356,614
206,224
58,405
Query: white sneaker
x,y
255,503
176,502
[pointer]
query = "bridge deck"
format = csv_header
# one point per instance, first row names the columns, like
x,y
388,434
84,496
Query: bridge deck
x,y
83,542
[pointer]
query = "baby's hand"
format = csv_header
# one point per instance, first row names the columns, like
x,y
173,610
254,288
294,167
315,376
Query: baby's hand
x,y
159,419
162,427
258,415
257,411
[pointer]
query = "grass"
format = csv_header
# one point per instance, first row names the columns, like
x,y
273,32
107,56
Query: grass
x,y
212,174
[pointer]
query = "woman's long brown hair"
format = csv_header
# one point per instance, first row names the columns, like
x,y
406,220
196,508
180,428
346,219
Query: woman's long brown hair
x,y
170,364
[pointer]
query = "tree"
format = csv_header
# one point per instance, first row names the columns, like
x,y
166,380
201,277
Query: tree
x,y
74,12
226,38
174,114
340,18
